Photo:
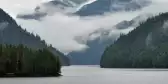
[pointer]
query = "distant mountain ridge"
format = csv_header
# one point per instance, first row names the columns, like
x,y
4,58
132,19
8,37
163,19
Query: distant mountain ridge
x,y
100,7
92,55
11,33
50,7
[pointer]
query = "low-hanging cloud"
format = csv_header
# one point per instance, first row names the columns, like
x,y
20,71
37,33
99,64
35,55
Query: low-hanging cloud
x,y
60,29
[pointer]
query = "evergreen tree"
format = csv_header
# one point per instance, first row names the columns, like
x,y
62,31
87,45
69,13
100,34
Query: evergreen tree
x,y
21,60
133,50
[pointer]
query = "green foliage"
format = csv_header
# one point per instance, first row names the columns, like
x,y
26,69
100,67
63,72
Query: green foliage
x,y
21,60
131,50
13,34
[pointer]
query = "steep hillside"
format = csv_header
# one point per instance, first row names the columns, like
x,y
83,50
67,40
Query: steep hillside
x,y
144,47
92,55
11,33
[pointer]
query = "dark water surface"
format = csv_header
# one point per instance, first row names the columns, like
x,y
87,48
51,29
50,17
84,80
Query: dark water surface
x,y
96,75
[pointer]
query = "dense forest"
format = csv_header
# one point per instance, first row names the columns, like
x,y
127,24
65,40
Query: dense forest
x,y
12,33
144,47
22,61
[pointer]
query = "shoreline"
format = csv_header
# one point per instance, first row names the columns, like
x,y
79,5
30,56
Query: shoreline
x,y
28,76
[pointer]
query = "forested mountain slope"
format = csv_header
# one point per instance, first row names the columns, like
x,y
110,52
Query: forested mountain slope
x,y
144,47
11,33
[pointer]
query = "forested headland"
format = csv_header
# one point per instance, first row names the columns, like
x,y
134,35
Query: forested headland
x,y
144,47
21,61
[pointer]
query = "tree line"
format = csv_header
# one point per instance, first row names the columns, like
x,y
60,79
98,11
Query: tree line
x,y
12,33
144,47
20,60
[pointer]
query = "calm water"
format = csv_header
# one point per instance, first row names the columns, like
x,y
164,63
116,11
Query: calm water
x,y
95,75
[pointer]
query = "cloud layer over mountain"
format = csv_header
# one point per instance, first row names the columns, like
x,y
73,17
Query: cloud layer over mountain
x,y
61,30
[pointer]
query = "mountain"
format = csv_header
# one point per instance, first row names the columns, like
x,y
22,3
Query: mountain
x,y
99,7
89,57
78,1
83,7
144,47
11,33
47,8
51,7
92,55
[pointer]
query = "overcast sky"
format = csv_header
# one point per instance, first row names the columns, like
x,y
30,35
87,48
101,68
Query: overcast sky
x,y
60,29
